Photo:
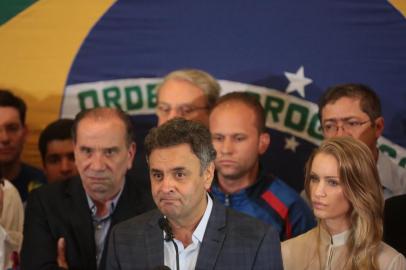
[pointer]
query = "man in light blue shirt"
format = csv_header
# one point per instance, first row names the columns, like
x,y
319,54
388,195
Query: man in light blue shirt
x,y
189,230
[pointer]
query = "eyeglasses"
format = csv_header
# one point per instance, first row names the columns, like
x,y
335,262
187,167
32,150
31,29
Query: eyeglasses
x,y
331,126
182,110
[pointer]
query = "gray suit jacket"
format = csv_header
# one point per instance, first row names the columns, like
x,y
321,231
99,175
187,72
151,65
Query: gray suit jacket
x,y
232,241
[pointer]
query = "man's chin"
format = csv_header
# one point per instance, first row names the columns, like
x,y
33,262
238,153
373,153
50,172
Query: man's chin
x,y
168,211
230,174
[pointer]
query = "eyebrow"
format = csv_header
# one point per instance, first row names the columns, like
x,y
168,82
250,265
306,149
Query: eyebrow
x,y
179,169
340,119
328,176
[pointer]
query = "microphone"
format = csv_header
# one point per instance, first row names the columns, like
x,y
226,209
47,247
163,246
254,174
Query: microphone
x,y
166,227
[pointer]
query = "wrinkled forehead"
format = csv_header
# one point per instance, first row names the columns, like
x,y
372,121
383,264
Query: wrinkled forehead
x,y
101,129
177,92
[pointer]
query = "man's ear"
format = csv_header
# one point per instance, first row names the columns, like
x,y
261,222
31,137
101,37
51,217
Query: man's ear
x,y
264,141
209,175
131,153
379,126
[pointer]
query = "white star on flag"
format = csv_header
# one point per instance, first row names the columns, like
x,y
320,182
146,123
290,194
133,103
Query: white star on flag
x,y
291,144
297,81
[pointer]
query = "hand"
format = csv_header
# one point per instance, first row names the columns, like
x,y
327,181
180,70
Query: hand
x,y
61,258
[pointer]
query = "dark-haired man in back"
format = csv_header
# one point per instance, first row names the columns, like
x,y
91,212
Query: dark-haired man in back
x,y
13,134
56,147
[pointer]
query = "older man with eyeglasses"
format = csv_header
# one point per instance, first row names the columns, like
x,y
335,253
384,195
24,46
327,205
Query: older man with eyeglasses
x,y
187,93
355,110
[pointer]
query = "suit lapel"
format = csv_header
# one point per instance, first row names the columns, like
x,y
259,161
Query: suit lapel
x,y
81,222
213,238
154,241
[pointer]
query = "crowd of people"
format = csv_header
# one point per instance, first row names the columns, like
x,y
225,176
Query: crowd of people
x,y
200,198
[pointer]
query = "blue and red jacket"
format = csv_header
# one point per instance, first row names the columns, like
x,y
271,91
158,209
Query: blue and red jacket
x,y
272,201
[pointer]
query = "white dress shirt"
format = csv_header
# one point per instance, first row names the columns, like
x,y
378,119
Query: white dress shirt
x,y
188,255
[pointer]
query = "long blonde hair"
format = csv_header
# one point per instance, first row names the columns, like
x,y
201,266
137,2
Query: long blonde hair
x,y
359,176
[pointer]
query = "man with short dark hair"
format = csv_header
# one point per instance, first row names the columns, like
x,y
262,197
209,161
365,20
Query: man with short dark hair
x,y
56,148
355,110
67,223
237,126
13,133
189,230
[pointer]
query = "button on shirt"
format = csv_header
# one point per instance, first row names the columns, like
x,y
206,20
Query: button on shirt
x,y
188,255
101,225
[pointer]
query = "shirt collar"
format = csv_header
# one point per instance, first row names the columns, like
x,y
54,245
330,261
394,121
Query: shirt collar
x,y
340,239
112,206
201,227
334,240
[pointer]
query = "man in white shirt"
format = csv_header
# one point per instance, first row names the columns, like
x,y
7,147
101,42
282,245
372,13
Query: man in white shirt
x,y
355,110
189,229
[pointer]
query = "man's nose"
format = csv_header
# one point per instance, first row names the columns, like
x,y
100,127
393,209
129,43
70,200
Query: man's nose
x,y
227,146
97,162
167,184
174,112
67,165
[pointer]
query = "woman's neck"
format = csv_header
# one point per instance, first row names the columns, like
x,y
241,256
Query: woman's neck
x,y
336,226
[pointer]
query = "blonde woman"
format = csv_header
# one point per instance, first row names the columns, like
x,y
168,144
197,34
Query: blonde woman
x,y
343,185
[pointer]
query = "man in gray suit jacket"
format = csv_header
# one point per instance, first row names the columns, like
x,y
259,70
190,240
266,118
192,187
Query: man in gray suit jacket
x,y
189,230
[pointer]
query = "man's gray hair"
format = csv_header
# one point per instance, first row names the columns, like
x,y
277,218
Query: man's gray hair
x,y
201,79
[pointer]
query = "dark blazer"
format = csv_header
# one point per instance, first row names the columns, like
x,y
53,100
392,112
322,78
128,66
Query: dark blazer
x,y
394,224
61,210
232,241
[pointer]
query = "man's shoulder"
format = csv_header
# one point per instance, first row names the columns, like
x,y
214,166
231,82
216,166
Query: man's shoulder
x,y
59,190
392,176
31,172
244,224
239,219
282,191
139,222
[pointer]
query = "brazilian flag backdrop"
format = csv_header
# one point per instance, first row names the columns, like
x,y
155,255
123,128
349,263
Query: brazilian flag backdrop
x,y
62,56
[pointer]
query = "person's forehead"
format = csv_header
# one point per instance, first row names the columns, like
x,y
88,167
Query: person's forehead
x,y
342,108
94,123
233,116
59,146
9,115
101,133
169,158
176,91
